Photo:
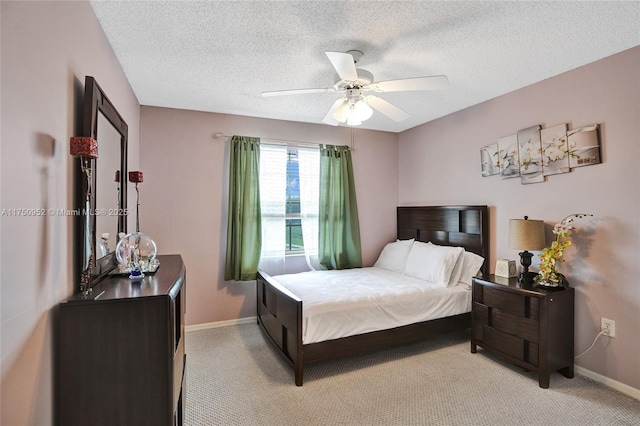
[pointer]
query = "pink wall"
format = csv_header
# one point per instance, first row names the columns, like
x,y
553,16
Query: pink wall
x,y
440,164
184,196
47,49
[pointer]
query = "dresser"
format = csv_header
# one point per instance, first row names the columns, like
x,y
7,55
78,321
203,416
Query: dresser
x,y
527,325
121,351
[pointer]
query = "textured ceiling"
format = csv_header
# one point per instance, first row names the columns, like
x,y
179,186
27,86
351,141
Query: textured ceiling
x,y
218,56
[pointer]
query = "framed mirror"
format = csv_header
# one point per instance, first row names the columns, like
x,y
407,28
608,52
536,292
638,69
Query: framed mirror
x,y
104,216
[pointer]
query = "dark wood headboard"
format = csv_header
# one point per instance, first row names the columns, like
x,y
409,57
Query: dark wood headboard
x,y
464,226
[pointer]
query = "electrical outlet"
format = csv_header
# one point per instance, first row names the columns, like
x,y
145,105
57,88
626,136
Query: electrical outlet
x,y
608,327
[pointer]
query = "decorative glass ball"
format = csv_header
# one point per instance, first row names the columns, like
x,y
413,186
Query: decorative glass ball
x,y
137,253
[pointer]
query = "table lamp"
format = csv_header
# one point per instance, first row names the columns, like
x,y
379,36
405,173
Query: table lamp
x,y
525,234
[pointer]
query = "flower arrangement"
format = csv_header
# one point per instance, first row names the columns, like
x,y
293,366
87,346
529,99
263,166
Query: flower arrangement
x,y
550,257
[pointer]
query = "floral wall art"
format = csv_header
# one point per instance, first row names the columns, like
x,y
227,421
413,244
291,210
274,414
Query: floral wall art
x,y
489,160
508,159
530,153
584,146
555,159
533,153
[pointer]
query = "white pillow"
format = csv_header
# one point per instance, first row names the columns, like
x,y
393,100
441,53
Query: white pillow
x,y
470,267
431,262
394,255
457,270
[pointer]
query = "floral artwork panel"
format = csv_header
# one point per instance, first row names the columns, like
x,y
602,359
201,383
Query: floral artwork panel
x,y
584,146
555,150
489,160
529,150
508,157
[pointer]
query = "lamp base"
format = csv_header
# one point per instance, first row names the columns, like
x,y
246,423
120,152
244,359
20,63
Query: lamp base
x,y
525,261
526,277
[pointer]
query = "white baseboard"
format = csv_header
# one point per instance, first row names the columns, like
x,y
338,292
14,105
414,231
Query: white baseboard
x,y
614,384
208,325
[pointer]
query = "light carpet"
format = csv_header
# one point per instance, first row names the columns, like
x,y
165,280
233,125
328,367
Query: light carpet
x,y
235,378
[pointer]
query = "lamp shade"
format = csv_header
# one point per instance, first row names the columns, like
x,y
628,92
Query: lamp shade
x,y
353,111
353,120
362,111
81,146
525,234
136,176
342,112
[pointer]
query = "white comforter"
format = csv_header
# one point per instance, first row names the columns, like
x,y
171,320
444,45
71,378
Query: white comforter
x,y
355,301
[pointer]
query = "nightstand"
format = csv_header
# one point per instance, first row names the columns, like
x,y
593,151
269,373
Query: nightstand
x,y
527,325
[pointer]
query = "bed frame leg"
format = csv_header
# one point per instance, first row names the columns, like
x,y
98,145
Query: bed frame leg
x,y
298,375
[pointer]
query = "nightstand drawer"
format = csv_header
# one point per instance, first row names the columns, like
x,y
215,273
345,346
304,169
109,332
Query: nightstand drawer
x,y
506,302
480,319
525,328
510,345
481,313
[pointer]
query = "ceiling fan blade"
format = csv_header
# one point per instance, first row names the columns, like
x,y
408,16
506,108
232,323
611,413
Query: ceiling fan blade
x,y
297,92
344,65
387,108
329,119
407,84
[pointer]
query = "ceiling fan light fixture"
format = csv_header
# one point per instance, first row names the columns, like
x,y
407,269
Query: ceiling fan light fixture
x,y
353,120
353,111
342,113
362,110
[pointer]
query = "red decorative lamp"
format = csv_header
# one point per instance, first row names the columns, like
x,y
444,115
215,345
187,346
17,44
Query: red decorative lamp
x,y
86,148
137,177
82,146
136,252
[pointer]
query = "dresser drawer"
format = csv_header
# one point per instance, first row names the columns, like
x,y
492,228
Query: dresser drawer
x,y
179,362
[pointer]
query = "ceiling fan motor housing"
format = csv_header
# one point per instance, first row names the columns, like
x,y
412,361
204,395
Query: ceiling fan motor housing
x,y
353,95
364,78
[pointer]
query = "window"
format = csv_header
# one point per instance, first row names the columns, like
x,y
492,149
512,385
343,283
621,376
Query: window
x,y
294,241
289,182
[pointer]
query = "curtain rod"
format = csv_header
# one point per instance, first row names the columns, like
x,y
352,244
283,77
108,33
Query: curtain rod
x,y
219,135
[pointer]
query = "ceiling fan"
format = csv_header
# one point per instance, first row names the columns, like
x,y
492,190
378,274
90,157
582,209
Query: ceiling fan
x,y
356,107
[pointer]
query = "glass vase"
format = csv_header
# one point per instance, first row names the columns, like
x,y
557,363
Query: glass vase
x,y
136,253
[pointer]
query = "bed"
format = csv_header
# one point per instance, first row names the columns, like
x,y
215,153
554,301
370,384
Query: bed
x,y
280,312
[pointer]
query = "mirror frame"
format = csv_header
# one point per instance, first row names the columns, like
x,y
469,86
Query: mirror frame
x,y
96,101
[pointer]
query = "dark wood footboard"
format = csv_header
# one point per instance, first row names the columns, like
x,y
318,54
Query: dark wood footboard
x,y
280,316
382,339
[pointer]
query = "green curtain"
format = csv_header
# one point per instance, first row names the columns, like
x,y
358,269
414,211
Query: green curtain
x,y
339,228
244,227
